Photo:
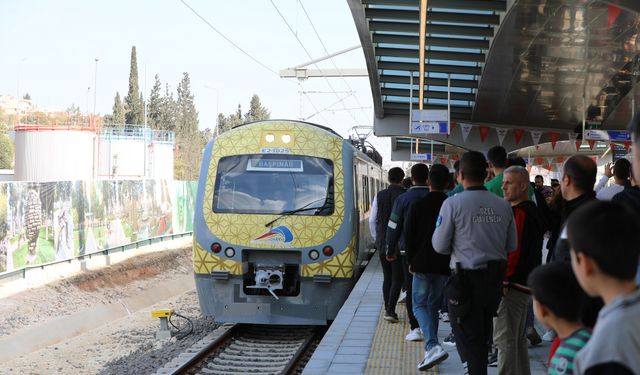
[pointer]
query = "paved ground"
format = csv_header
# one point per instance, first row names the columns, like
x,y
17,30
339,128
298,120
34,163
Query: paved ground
x,y
360,342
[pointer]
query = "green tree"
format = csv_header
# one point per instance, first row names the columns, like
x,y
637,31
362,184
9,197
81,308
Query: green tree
x,y
118,116
256,111
154,109
6,152
189,139
26,96
227,123
186,116
132,103
168,108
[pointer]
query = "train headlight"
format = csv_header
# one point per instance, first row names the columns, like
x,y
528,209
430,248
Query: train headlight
x,y
229,252
215,247
314,254
269,138
327,251
286,138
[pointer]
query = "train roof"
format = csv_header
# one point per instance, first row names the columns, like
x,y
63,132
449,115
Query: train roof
x,y
287,120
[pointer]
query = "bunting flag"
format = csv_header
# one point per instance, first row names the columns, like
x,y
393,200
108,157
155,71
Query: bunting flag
x,y
443,159
627,144
451,163
613,13
535,136
547,167
484,132
502,132
455,157
554,136
612,147
560,159
539,160
452,125
573,137
466,129
517,134
591,144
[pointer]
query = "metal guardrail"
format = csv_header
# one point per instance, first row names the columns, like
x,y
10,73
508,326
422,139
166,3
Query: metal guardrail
x,y
22,272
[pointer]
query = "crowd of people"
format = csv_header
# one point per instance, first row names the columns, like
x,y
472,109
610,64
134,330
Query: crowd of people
x,y
468,250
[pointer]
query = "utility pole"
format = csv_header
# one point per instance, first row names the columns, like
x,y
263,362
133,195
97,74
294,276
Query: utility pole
x,y
95,87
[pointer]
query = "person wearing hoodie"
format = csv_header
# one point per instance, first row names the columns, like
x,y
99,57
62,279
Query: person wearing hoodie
x,y
509,326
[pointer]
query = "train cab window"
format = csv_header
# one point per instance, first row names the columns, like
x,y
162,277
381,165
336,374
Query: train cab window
x,y
274,184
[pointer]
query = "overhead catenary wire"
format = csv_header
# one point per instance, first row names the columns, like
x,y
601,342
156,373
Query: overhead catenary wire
x,y
228,39
331,57
309,55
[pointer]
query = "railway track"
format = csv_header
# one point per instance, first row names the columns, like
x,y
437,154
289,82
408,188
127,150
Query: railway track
x,y
243,349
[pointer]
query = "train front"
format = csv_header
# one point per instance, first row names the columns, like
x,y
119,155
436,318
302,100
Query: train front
x,y
274,238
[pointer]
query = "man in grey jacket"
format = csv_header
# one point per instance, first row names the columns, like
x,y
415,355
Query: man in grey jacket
x,y
477,228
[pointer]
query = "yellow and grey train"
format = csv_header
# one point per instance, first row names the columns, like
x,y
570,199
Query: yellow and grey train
x,y
280,230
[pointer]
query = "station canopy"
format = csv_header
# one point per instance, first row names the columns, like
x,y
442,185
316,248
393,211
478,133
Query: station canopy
x,y
522,72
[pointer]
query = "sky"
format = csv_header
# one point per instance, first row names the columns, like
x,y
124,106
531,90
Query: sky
x,y
49,50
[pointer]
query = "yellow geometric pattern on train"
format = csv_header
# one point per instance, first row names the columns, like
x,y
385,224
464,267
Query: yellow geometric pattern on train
x,y
205,262
308,231
338,266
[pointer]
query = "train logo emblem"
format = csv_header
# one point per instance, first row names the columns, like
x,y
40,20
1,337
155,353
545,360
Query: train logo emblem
x,y
281,236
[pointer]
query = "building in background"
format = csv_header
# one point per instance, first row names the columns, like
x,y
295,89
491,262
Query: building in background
x,y
74,152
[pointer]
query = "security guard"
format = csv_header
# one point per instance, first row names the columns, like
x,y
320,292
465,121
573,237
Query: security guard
x,y
477,228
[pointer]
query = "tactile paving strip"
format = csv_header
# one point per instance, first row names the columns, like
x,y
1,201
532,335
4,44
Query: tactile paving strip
x,y
390,353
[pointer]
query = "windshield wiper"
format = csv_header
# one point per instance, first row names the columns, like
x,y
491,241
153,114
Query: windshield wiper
x,y
301,209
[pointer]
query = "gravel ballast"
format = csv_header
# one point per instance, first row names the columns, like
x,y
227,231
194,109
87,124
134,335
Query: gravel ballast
x,y
122,346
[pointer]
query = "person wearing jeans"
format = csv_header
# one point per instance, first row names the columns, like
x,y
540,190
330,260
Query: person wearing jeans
x,y
430,269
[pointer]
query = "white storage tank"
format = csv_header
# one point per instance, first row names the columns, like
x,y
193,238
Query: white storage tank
x,y
53,153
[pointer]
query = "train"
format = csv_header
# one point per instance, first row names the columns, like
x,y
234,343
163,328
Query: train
x,y
281,222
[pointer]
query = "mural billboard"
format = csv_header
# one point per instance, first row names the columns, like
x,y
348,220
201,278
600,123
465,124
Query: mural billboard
x,y
49,221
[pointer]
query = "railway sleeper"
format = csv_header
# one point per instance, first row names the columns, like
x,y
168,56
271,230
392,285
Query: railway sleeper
x,y
225,369
241,358
245,353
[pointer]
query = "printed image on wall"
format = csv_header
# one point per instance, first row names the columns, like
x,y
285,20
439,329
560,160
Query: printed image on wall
x,y
46,222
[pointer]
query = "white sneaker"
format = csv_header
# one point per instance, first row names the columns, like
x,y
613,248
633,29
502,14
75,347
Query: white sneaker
x,y
550,335
415,335
445,317
434,356
403,297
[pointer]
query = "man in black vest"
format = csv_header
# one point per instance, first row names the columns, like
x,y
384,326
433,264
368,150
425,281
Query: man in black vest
x,y
378,220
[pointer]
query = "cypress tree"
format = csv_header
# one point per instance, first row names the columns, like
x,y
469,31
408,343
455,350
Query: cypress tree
x,y
118,117
132,102
187,116
154,109
256,111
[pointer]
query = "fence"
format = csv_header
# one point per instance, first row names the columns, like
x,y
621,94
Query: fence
x,y
52,222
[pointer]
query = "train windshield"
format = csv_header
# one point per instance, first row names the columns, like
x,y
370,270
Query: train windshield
x,y
274,184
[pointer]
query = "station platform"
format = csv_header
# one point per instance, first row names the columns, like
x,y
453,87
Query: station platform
x,y
360,342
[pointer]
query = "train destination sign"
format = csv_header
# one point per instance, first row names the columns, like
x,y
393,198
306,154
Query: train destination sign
x,y
275,165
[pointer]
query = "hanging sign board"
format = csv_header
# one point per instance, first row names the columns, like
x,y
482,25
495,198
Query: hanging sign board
x,y
421,157
603,135
429,121
429,115
429,127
